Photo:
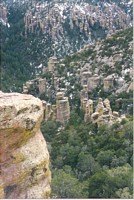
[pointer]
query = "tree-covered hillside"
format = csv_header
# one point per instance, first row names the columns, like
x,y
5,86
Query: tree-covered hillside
x,y
88,159
29,35
109,57
90,162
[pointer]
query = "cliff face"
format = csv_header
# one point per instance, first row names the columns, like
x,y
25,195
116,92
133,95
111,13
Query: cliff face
x,y
24,158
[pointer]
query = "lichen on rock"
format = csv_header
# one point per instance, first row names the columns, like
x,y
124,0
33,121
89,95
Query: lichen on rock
x,y
24,158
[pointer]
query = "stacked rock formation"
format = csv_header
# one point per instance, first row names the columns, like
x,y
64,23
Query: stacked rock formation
x,y
35,18
39,83
108,83
42,85
59,112
84,93
84,77
63,108
52,63
47,110
88,110
24,158
104,115
3,14
93,82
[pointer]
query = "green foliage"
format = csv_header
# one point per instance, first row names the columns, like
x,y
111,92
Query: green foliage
x,y
66,186
74,119
102,186
90,162
15,67
49,129
86,165
47,75
105,157
79,56
126,99
20,53
121,39
107,184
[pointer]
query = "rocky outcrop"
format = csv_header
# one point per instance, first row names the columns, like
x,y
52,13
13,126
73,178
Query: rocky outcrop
x,y
104,115
3,14
100,107
52,63
93,82
101,114
130,87
24,158
47,110
63,108
51,18
38,85
108,83
84,93
42,85
123,88
84,77
88,110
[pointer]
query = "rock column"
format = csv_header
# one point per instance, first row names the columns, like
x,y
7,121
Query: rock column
x,y
63,108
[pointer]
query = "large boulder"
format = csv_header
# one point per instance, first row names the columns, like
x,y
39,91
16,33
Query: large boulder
x,y
24,158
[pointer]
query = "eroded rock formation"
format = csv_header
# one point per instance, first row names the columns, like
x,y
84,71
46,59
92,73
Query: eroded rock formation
x,y
52,63
88,110
36,20
24,158
63,108
3,14
37,84
108,83
93,82
101,114
104,114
